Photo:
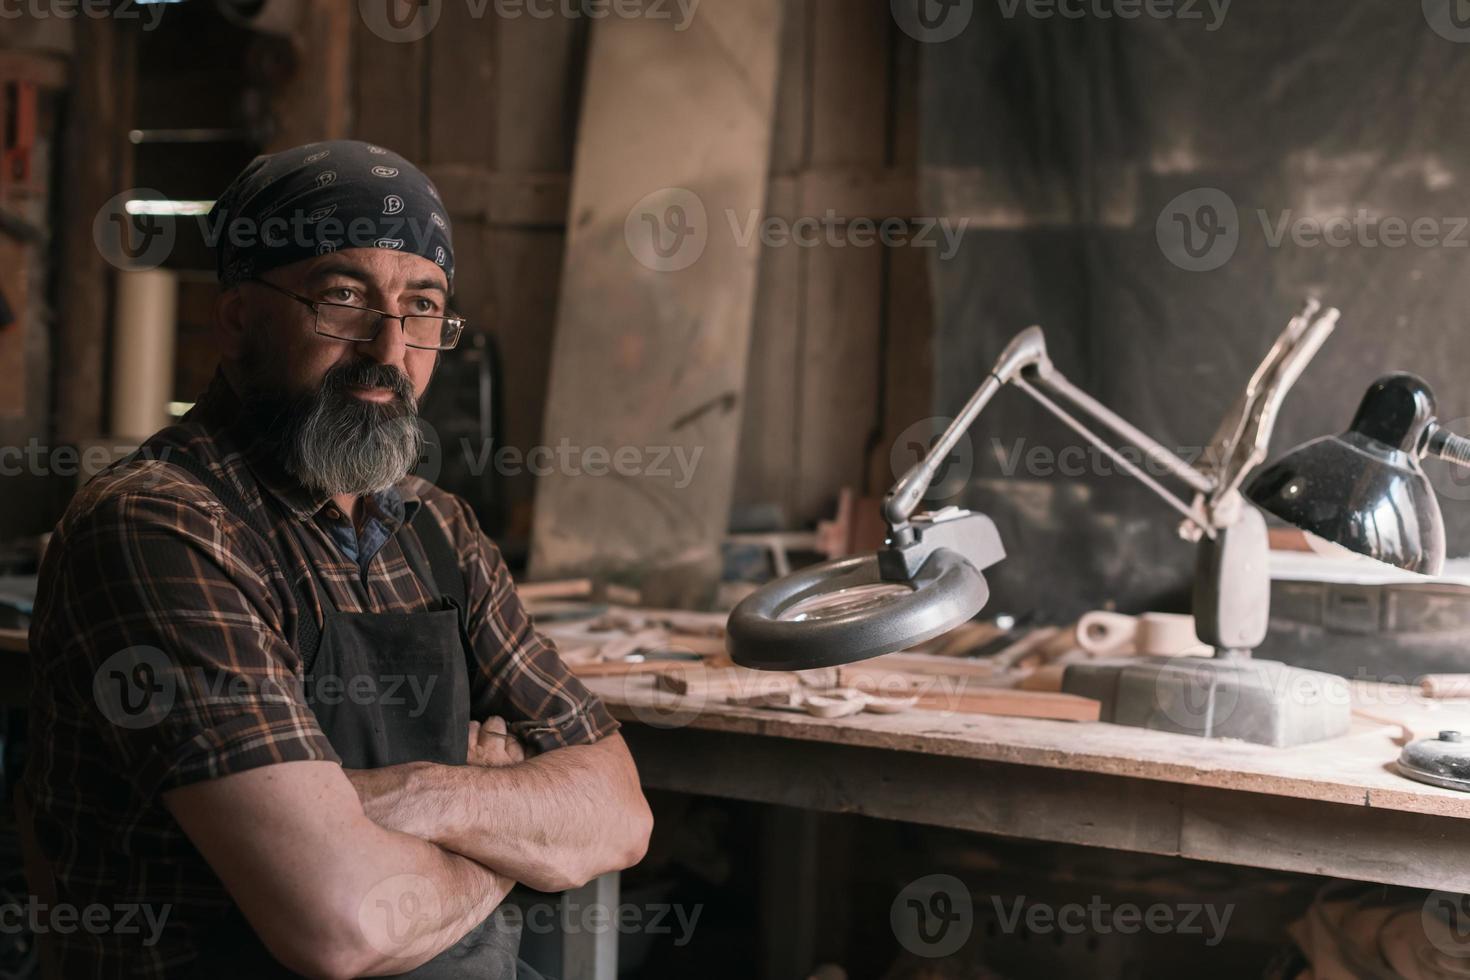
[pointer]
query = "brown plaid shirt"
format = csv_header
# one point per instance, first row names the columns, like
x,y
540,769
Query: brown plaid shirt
x,y
147,558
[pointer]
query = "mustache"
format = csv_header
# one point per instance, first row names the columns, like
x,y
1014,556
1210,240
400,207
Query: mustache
x,y
369,374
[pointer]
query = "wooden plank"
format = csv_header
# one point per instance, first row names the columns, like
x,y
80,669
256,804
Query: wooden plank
x,y
15,274
843,284
315,102
95,166
650,349
460,70
541,61
389,88
502,200
839,356
1065,806
1354,769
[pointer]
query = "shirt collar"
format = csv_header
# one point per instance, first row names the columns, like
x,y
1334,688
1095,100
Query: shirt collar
x,y
221,410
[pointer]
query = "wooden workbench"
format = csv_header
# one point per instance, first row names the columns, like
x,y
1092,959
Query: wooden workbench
x,y
1333,808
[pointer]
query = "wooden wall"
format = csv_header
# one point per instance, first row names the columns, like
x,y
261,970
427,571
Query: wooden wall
x,y
488,106
840,357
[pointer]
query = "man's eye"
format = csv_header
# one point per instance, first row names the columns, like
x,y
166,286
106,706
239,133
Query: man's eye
x,y
423,305
338,294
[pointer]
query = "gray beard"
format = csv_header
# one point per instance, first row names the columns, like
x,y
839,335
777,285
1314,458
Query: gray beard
x,y
353,449
333,442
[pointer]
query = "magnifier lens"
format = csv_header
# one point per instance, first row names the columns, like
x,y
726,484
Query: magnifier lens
x,y
845,602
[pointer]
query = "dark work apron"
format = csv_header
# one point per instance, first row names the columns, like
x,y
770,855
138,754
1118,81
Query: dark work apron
x,y
387,689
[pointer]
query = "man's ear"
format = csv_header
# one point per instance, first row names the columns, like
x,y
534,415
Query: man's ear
x,y
229,322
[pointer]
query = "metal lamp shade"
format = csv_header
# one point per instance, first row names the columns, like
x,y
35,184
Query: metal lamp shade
x,y
1364,489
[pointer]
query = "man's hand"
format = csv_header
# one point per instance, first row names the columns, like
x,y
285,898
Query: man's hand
x,y
387,795
552,822
491,744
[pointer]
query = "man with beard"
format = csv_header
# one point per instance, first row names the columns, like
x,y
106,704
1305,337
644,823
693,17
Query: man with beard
x,y
287,707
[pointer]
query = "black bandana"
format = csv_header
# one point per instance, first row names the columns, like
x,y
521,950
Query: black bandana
x,y
324,197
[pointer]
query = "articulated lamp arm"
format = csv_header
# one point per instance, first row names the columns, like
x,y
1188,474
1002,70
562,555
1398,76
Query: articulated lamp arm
x,y
1025,364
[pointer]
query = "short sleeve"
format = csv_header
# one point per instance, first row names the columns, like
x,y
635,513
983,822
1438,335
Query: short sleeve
x,y
521,678
160,625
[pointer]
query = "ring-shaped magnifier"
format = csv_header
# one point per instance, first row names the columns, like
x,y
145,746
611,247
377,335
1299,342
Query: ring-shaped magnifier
x,y
850,609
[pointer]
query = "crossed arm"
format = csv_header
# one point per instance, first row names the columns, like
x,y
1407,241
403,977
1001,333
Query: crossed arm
x,y
372,872
554,822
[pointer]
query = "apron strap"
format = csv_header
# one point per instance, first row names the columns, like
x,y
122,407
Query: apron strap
x,y
308,633
444,575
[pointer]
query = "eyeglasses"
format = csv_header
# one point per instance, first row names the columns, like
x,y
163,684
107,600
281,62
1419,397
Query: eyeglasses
x,y
360,325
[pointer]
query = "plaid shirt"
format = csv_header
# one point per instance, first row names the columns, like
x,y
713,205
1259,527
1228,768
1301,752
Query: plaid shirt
x,y
147,561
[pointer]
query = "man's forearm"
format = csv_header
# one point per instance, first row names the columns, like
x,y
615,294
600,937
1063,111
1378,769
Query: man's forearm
x,y
409,918
553,822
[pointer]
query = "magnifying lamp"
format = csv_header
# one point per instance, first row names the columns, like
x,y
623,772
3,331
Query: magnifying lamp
x,y
927,579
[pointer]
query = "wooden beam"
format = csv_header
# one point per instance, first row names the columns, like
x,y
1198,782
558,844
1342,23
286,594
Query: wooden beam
x,y
315,102
650,348
96,165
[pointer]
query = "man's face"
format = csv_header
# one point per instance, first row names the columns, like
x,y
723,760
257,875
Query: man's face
x,y
344,413
298,359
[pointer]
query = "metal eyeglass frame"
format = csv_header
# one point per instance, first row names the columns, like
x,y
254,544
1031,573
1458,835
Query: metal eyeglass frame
x,y
382,316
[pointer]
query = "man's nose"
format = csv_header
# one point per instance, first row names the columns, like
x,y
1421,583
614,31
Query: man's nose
x,y
390,345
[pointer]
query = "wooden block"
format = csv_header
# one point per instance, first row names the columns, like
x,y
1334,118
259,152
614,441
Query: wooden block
x,y
1445,685
576,588
963,696
713,683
